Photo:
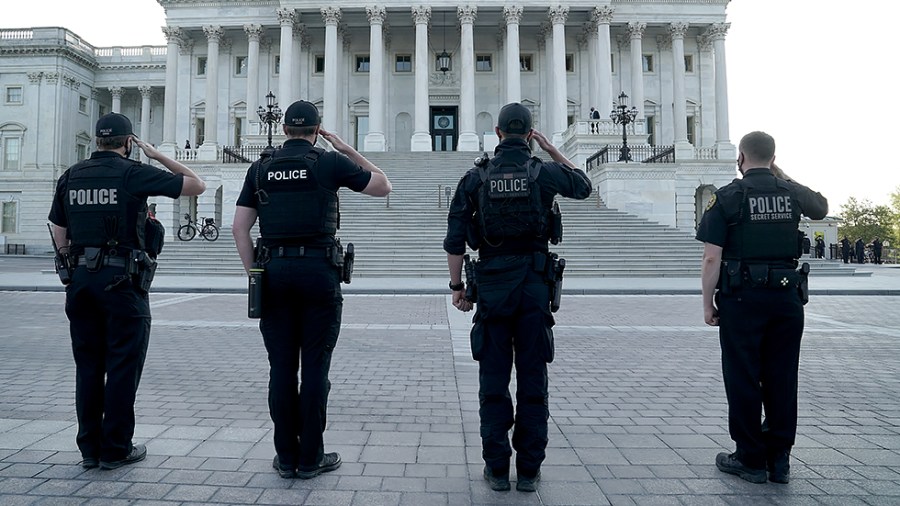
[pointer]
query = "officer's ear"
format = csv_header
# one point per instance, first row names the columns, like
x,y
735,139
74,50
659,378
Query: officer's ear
x,y
497,129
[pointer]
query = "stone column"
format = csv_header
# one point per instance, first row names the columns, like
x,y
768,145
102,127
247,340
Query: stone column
x,y
331,16
209,151
683,149
375,137
513,15
183,114
468,139
253,99
286,18
716,33
146,94
421,139
169,144
635,32
545,45
296,77
603,17
558,16
116,92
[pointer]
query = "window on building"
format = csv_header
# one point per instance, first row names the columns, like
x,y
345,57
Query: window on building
x,y
688,63
320,64
14,95
483,63
648,63
201,65
12,153
81,151
240,65
102,109
403,63
8,221
362,63
82,104
691,129
277,65
526,62
570,62
651,130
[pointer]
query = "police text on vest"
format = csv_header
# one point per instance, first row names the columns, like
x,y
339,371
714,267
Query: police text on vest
x,y
101,196
771,207
286,175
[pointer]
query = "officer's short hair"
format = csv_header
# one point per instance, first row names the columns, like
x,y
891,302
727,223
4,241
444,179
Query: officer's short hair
x,y
110,143
300,131
758,146
507,135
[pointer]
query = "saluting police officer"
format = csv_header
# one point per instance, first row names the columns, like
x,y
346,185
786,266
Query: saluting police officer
x,y
753,291
505,207
293,192
99,215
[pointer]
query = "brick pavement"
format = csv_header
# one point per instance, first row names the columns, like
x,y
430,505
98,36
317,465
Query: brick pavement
x,y
637,408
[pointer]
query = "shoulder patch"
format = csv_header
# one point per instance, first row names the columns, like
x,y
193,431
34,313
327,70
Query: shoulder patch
x,y
711,203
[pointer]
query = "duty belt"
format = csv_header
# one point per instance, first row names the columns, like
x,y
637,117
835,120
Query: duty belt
x,y
299,251
107,260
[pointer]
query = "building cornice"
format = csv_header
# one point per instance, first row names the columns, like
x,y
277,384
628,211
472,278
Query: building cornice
x,y
64,51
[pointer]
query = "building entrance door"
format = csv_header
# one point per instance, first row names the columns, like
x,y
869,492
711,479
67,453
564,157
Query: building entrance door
x,y
444,130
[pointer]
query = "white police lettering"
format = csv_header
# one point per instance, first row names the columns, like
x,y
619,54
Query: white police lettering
x,y
96,196
285,175
770,208
509,186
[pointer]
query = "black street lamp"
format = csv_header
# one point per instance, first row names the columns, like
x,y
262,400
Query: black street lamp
x,y
270,115
622,115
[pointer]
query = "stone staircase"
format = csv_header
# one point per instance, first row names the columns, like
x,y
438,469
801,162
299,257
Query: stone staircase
x,y
402,235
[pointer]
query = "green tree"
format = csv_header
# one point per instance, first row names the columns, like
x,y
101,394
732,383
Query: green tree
x,y
862,219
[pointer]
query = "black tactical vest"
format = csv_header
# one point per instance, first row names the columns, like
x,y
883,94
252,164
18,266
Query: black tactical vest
x,y
767,226
101,213
292,203
509,202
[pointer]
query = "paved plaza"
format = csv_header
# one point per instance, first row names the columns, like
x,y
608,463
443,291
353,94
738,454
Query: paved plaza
x,y
638,409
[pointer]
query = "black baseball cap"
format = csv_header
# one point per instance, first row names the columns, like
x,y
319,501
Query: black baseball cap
x,y
301,113
514,118
113,125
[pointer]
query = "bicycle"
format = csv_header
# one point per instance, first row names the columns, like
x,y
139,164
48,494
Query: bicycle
x,y
208,231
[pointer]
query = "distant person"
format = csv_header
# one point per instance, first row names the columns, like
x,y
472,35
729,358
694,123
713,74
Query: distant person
x,y
595,125
187,144
877,246
806,244
860,251
845,250
820,247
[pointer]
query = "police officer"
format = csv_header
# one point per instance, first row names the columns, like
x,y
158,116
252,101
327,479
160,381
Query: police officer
x,y
750,232
845,249
293,192
504,205
99,215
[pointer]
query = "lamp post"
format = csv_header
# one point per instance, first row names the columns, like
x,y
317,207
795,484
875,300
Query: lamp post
x,y
270,115
622,115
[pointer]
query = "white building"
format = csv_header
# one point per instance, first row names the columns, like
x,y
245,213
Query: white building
x,y
375,72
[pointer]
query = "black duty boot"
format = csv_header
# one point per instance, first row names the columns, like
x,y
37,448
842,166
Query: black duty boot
x,y
779,467
528,483
497,483
330,462
137,454
729,463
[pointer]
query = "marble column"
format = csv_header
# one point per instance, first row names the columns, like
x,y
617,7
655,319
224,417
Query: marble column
x,y
603,17
116,92
209,151
183,114
635,32
683,149
254,32
169,144
716,33
286,18
296,88
513,15
468,138
146,94
375,137
421,139
331,16
558,16
545,45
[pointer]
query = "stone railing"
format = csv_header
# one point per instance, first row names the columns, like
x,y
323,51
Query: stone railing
x,y
16,34
706,153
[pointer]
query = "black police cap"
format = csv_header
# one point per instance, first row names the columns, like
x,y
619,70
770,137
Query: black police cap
x,y
113,125
300,114
514,118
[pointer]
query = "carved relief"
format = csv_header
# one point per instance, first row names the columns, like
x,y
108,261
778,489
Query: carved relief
x,y
35,77
254,32
146,92
331,15
717,31
602,15
116,91
52,77
376,14
678,30
173,34
286,17
421,14
213,33
444,80
512,14
636,29
558,14
467,13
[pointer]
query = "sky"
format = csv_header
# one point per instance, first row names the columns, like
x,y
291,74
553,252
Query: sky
x,y
815,74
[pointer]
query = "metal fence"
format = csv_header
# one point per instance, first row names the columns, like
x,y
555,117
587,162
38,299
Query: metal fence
x,y
639,154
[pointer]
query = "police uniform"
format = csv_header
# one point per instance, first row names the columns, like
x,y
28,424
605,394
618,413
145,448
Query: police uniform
x,y
504,206
295,195
102,203
755,220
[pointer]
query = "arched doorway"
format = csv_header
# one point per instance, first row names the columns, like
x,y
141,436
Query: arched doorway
x,y
702,196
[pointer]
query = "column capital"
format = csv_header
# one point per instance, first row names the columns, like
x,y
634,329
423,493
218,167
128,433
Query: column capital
x,y
35,77
173,34
299,30
116,91
558,14
717,31
501,35
602,15
53,78
265,44
636,29
331,15
663,42
185,46
305,40
213,33
254,32
345,35
146,91
581,38
286,17
512,14
376,14
94,93
466,14
678,30
421,14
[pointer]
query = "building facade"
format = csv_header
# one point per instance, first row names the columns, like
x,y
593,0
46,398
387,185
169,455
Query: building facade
x,y
396,77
